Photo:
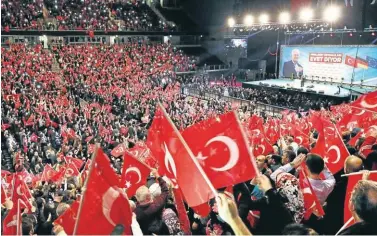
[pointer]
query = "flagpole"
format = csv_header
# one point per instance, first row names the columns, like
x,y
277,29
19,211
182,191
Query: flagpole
x,y
18,217
358,173
248,145
214,191
94,156
345,225
363,109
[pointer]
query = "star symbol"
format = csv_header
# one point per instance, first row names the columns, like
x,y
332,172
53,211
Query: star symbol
x,y
200,156
326,160
128,184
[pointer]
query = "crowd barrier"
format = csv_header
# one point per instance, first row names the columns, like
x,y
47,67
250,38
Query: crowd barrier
x,y
259,107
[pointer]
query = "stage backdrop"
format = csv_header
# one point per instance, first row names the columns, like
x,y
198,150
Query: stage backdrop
x,y
350,61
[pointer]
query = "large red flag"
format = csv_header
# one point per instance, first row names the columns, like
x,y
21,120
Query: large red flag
x,y
221,149
311,202
12,224
367,101
182,214
336,153
353,179
177,161
134,174
68,218
21,191
103,205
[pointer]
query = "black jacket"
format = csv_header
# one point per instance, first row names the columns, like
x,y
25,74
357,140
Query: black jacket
x,y
361,228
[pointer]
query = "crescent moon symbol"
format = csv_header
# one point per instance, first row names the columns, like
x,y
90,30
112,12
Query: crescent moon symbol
x,y
257,132
336,148
367,105
18,190
135,153
233,149
108,200
299,138
135,169
360,113
311,124
69,171
169,161
283,126
263,148
373,127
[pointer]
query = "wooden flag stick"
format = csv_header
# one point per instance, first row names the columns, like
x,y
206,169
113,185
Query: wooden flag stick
x,y
344,226
214,191
358,173
94,156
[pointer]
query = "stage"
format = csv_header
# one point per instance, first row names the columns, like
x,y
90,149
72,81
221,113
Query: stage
x,y
309,87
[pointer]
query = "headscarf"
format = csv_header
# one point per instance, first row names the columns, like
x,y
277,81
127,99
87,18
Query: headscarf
x,y
288,186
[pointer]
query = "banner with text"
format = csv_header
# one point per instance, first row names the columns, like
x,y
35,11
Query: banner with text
x,y
330,61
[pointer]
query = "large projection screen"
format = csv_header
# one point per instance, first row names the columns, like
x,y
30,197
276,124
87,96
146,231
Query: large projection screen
x,y
330,61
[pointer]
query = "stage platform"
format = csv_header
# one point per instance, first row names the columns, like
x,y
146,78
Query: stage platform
x,y
309,87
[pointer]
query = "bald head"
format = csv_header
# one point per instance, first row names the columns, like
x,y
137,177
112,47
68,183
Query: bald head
x,y
353,164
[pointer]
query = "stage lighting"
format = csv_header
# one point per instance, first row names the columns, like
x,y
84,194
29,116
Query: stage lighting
x,y
263,18
306,14
284,18
331,14
373,34
231,22
248,20
351,34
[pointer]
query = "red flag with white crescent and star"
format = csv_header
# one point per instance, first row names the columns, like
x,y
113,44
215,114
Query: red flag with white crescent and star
x,y
367,101
103,204
221,149
119,150
68,218
177,161
134,174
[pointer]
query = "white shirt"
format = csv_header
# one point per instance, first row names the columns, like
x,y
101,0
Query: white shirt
x,y
321,188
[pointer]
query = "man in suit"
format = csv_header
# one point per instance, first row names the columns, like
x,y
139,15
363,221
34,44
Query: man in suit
x,y
292,66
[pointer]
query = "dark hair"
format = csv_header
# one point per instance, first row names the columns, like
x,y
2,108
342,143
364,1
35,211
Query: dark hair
x,y
315,163
27,226
276,158
297,229
370,160
364,199
302,150
291,155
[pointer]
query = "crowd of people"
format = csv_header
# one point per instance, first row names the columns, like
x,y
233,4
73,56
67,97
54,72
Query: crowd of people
x,y
115,15
108,94
290,100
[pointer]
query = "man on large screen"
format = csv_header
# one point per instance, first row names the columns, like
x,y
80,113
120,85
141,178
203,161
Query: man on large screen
x,y
292,67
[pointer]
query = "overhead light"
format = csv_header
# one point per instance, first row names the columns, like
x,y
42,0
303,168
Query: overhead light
x,y
248,20
331,13
231,22
306,14
263,18
284,18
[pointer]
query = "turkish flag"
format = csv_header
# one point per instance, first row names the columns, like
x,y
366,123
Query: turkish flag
x,y
103,204
48,173
350,61
336,153
262,148
221,149
71,170
134,174
75,161
353,140
177,161
21,191
68,218
311,202
119,150
12,224
352,181
367,101
30,121
5,126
